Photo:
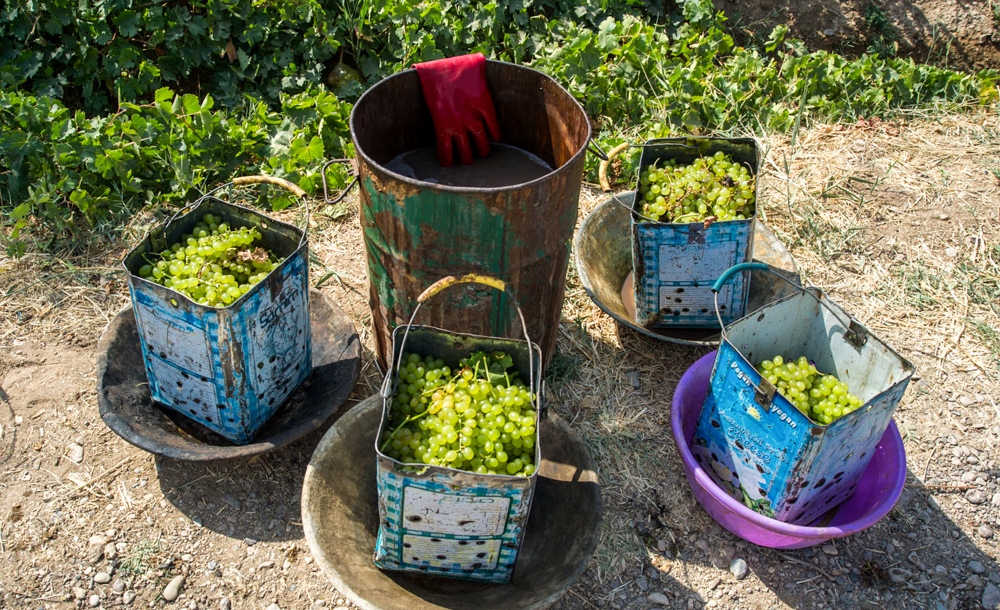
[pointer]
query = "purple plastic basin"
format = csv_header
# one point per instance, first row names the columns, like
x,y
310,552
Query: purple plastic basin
x,y
878,489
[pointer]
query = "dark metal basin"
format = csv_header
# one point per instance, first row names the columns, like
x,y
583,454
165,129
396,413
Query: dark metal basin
x,y
340,519
126,407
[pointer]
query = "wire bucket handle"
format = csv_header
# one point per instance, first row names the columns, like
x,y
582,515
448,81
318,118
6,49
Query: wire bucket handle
x,y
441,285
244,181
353,164
856,333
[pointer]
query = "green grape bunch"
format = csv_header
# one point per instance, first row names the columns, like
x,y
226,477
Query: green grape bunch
x,y
214,265
712,188
822,398
479,418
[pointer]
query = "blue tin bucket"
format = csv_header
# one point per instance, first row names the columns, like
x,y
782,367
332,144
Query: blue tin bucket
x,y
676,263
228,368
757,445
442,521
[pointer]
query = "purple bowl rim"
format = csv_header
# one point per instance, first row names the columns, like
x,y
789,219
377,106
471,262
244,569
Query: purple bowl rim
x,y
780,527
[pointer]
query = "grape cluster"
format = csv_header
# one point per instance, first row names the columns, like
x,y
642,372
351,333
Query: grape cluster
x,y
710,188
822,398
478,418
213,265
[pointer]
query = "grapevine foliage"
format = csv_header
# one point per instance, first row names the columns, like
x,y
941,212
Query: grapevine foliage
x,y
110,105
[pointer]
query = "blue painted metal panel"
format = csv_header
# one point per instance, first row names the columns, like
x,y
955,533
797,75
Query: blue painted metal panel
x,y
448,522
767,453
227,368
676,264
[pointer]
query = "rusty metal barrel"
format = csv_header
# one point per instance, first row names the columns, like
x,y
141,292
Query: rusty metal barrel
x,y
417,231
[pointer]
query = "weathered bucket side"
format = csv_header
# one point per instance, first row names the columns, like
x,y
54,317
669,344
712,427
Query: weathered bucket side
x,y
227,368
445,521
760,447
676,263
416,232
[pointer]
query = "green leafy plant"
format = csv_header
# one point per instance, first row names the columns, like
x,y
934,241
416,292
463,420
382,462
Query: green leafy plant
x,y
106,107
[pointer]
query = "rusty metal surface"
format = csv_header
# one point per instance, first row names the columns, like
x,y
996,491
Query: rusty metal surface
x,y
126,407
340,519
417,232
604,263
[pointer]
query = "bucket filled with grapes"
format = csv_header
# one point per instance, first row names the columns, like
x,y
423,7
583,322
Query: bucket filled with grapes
x,y
220,295
692,219
800,396
458,450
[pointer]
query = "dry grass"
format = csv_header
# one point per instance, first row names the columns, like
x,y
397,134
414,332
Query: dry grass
x,y
897,222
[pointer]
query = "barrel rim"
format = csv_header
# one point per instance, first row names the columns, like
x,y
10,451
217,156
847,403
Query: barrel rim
x,y
360,152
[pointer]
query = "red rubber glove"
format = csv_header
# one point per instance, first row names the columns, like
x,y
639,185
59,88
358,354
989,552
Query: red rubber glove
x,y
460,104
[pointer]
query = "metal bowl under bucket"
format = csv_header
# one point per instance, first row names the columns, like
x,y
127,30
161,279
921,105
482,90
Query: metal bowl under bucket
x,y
604,263
878,489
340,519
126,407
417,231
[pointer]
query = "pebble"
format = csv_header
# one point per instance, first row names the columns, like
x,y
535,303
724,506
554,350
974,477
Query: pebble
x,y
118,586
702,544
173,588
977,567
274,607
225,604
941,571
74,452
739,568
110,551
266,565
95,548
186,557
192,605
79,592
658,598
975,581
642,583
996,499
212,565
968,476
128,597
102,578
829,549
900,575
94,601
985,531
973,460
249,541
966,401
991,597
976,496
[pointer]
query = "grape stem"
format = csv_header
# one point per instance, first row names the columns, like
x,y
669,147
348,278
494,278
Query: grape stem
x,y
409,419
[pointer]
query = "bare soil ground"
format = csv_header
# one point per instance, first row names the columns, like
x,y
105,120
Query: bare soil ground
x,y
899,222
955,33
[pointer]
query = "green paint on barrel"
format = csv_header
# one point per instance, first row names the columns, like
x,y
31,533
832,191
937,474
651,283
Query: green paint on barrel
x,y
417,231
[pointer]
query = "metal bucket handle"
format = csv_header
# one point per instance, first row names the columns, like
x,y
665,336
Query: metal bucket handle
x,y
856,333
447,282
354,173
245,180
